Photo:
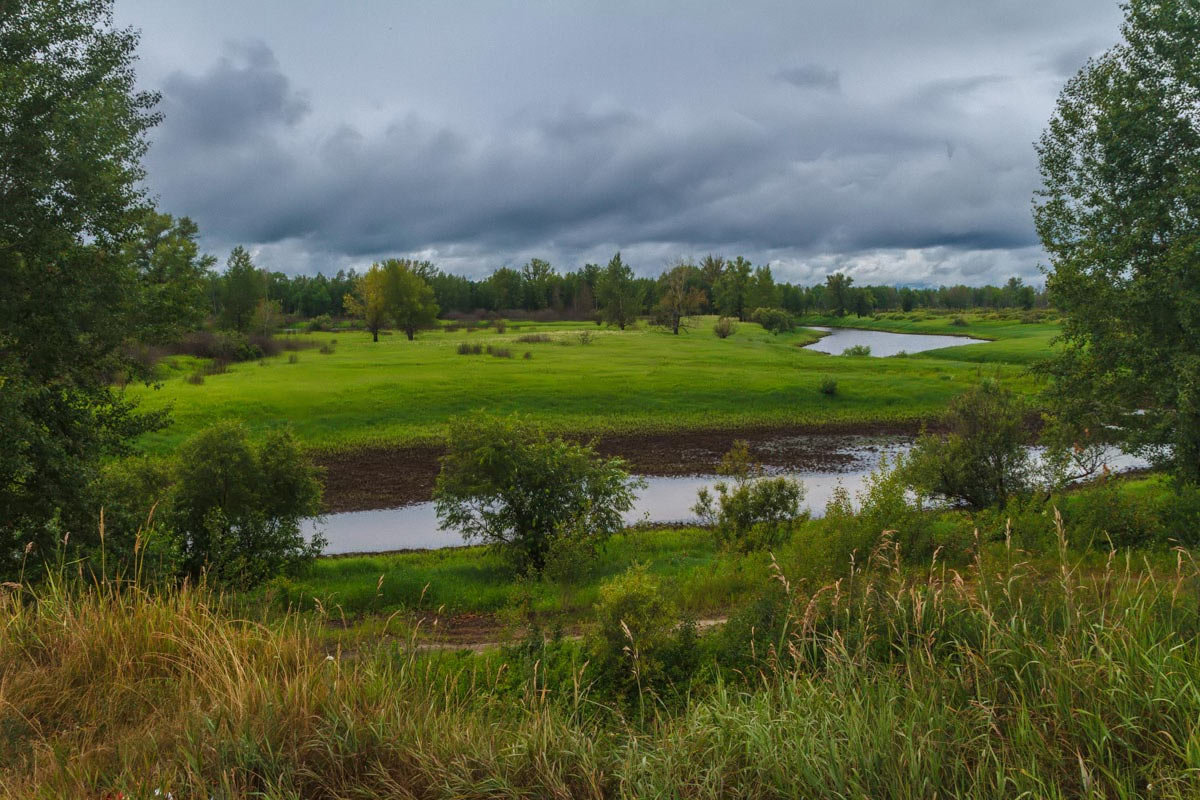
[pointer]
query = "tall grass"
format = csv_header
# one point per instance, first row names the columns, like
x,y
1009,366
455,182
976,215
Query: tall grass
x,y
1000,680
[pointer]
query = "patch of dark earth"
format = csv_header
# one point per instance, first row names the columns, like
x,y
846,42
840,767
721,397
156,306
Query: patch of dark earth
x,y
371,478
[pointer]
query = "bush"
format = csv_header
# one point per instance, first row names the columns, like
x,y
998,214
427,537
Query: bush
x,y
499,352
501,326
534,338
982,461
293,359
328,348
528,355
586,337
775,320
958,321
322,322
237,507
465,349
724,328
505,482
857,350
196,378
135,497
639,647
753,511
829,386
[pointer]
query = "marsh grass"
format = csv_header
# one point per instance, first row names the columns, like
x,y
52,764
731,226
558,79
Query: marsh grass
x,y
1012,676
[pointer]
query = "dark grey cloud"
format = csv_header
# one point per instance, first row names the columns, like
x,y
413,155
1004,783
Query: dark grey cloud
x,y
810,76
911,162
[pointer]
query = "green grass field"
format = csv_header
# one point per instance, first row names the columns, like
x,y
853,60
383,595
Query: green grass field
x,y
397,392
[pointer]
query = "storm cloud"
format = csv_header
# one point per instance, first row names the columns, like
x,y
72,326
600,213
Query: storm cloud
x,y
895,147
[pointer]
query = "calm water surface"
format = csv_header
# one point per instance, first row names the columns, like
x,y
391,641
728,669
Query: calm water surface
x,y
882,343
663,500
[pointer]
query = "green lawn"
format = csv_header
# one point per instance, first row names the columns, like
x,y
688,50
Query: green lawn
x,y
401,392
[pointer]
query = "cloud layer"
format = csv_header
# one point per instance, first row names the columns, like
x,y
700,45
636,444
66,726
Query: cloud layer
x,y
810,164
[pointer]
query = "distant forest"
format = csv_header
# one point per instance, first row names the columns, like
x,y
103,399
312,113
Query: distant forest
x,y
731,287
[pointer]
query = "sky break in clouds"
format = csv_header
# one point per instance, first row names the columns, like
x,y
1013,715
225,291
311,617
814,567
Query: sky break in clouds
x,y
892,140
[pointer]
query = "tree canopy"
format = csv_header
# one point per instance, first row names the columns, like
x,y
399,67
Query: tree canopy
x,y
1119,216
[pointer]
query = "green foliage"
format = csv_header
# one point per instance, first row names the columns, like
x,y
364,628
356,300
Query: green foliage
x,y
237,507
679,297
244,287
829,386
729,291
751,511
1120,163
724,328
408,296
639,647
857,351
775,320
617,294
982,460
172,279
72,133
505,482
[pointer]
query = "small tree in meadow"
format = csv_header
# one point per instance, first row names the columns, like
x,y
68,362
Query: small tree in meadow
x,y
617,293
368,302
678,299
506,483
409,297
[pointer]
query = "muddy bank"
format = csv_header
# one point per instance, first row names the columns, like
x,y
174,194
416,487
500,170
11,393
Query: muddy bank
x,y
385,477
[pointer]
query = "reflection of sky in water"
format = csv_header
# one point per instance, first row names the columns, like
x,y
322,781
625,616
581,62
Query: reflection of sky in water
x,y
663,500
883,343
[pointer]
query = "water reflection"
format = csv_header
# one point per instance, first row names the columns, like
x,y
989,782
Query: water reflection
x,y
882,343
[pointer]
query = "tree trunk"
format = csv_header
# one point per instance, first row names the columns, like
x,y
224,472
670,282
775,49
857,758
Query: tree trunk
x,y
375,335
410,333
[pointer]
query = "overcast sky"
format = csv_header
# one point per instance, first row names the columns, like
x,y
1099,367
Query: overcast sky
x,y
892,139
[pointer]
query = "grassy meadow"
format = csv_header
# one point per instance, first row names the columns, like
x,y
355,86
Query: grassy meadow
x,y
397,392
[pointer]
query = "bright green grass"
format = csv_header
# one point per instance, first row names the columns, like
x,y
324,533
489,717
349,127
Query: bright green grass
x,y
474,579
401,392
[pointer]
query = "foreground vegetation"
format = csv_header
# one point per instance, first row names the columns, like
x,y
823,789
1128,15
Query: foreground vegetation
x,y
1048,674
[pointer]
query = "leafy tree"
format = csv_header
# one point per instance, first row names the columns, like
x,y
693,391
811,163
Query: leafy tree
x,y
368,300
237,507
864,301
837,293
244,286
1119,215
761,291
171,298
408,297
729,292
72,134
617,293
982,460
677,297
505,482
268,316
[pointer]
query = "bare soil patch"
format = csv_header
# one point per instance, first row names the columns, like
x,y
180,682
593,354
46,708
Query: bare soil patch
x,y
386,477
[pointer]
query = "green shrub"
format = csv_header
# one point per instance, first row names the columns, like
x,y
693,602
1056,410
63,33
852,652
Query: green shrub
x,y
639,646
237,507
753,511
505,482
724,328
959,321
857,350
982,460
775,320
829,386
322,322
534,338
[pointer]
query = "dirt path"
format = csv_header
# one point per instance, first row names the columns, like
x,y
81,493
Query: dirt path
x,y
384,477
482,641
